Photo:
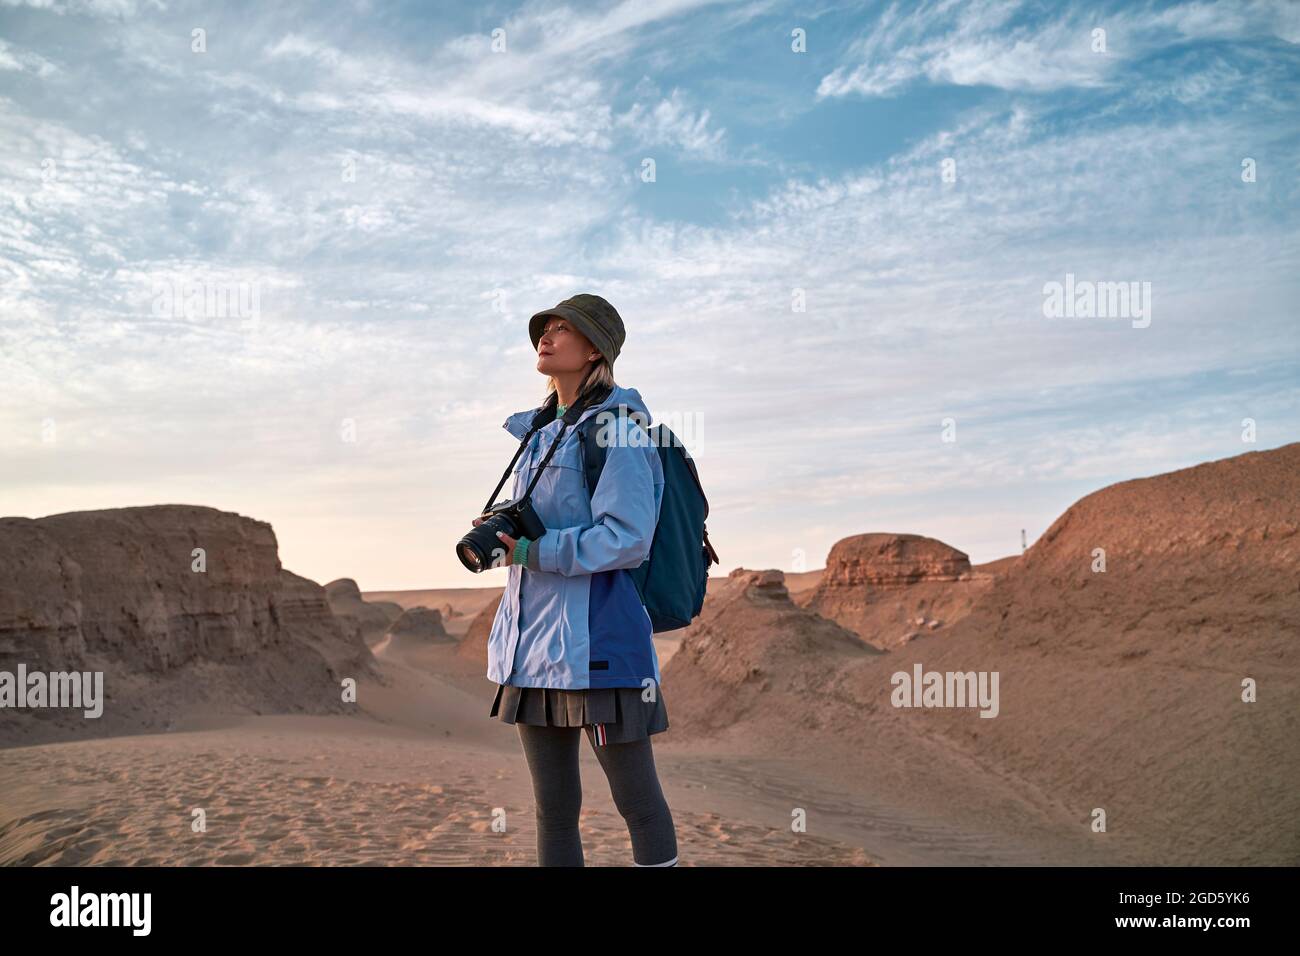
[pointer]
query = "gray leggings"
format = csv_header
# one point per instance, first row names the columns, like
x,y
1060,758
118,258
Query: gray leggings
x,y
552,754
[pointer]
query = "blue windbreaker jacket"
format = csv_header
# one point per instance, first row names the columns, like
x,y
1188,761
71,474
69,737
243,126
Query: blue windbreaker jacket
x,y
571,618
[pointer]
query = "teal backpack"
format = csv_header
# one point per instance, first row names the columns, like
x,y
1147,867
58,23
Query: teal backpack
x,y
673,579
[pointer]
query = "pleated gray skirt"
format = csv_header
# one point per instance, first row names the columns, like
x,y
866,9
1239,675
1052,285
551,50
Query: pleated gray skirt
x,y
611,715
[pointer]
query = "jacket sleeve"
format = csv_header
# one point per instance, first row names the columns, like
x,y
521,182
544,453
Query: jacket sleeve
x,y
623,512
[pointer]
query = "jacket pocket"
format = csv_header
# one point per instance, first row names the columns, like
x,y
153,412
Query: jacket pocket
x,y
560,496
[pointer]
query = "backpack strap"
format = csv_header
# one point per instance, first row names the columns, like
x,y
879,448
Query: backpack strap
x,y
593,452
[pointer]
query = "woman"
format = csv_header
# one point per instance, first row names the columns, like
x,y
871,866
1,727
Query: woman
x,y
571,646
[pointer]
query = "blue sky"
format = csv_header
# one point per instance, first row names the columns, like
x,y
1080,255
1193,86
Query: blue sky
x,y
402,197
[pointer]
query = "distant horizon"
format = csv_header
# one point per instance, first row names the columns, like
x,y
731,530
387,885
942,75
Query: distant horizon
x,y
714,572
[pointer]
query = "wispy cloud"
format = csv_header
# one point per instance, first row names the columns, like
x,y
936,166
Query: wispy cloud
x,y
1013,45
670,121
24,60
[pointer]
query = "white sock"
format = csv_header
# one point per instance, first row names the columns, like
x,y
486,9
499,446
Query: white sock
x,y
672,862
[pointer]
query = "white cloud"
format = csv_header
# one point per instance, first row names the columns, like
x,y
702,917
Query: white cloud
x,y
981,43
670,121
24,61
111,9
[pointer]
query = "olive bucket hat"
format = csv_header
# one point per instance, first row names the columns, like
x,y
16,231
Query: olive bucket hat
x,y
592,316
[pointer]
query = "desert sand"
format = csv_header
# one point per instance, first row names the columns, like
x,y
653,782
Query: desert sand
x,y
415,777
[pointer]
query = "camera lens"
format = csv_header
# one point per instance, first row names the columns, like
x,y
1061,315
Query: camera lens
x,y
479,549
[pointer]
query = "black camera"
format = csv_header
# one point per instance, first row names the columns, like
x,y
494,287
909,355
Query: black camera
x,y
482,549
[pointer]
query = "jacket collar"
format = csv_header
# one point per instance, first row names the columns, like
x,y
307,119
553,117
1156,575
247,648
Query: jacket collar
x,y
517,424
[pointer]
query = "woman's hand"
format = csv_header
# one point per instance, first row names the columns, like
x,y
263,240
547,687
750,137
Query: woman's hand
x,y
509,544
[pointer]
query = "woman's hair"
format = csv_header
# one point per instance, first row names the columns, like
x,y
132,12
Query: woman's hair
x,y
602,374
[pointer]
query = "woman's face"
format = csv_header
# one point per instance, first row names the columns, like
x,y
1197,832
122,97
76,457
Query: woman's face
x,y
562,348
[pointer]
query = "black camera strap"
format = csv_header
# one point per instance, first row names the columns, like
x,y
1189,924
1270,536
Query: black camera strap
x,y
544,416
500,484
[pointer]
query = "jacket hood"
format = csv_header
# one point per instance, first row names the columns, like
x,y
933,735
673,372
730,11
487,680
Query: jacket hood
x,y
517,424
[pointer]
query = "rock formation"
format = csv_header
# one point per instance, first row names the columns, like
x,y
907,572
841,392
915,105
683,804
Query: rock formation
x,y
888,588
367,620
474,644
182,608
752,647
417,628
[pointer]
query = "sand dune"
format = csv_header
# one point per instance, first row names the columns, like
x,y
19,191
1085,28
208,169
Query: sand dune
x,y
417,776
1120,690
